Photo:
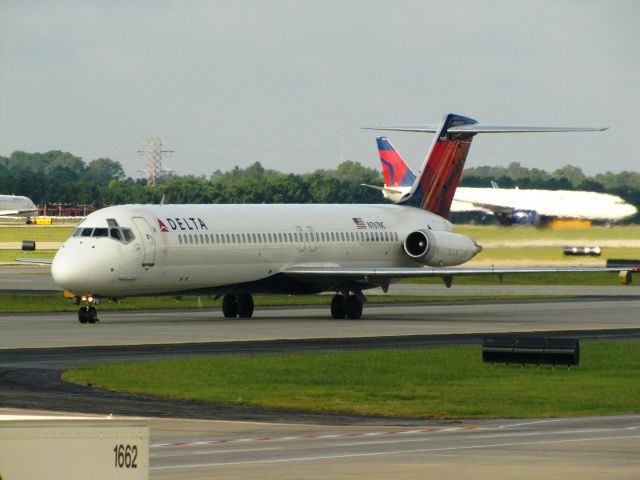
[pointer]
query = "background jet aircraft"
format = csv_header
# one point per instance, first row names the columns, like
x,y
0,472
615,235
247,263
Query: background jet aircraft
x,y
13,205
509,205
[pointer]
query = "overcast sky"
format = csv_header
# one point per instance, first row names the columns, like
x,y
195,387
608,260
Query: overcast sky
x,y
233,82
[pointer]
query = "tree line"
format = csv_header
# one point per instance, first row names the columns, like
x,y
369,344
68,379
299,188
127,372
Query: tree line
x,y
60,177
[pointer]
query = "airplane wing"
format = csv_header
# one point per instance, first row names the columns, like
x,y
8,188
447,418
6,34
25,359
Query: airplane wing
x,y
470,206
392,273
16,212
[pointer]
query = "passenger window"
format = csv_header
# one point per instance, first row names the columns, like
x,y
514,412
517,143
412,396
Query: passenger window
x,y
179,239
290,238
211,237
217,238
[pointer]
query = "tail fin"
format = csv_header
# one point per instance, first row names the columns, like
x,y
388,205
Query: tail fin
x,y
395,170
443,167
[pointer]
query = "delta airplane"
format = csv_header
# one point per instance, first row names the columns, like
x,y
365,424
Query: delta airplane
x,y
240,250
509,205
13,205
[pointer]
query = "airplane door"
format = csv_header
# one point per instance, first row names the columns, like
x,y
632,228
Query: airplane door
x,y
148,241
300,234
312,239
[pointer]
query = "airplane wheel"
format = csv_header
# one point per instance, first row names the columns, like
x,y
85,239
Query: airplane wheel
x,y
338,306
83,315
353,307
245,305
230,306
92,315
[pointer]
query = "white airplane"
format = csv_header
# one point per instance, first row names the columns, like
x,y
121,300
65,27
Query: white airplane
x,y
509,205
241,250
16,206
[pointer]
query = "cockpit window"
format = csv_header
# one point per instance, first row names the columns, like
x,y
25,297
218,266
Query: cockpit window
x,y
127,234
117,233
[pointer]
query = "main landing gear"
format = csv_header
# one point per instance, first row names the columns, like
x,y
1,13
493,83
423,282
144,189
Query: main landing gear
x,y
237,306
88,313
346,306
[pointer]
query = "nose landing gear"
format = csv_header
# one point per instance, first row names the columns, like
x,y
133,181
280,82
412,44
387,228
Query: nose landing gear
x,y
88,313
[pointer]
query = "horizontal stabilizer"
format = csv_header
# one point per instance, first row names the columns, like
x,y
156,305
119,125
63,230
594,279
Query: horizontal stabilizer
x,y
480,128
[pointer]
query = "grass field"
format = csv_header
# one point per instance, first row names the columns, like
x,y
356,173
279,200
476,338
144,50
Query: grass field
x,y
39,233
8,256
519,233
20,303
554,254
447,382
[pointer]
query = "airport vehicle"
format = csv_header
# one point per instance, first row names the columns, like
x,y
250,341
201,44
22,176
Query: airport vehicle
x,y
241,250
16,206
509,205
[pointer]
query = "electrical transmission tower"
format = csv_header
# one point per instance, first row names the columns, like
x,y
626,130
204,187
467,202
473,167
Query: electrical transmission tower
x,y
154,152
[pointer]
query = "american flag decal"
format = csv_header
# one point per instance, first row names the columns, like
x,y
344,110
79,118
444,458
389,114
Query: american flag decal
x,y
359,223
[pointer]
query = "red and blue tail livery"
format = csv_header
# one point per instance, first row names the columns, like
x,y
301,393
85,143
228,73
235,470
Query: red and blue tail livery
x,y
444,164
395,170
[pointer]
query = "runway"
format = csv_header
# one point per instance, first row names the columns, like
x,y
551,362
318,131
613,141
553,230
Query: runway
x,y
208,325
263,443
581,448
565,448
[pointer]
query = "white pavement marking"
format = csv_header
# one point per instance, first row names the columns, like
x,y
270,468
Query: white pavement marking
x,y
397,452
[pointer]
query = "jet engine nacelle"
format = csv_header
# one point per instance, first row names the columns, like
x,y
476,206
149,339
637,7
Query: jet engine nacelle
x,y
440,249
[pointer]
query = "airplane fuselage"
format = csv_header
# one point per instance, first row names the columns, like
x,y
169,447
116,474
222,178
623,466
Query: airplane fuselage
x,y
176,249
15,205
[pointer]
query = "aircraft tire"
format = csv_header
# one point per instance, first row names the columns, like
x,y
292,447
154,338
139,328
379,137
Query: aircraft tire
x,y
82,315
245,305
353,307
338,306
92,315
230,306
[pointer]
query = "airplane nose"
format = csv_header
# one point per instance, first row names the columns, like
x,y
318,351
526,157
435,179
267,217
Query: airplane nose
x,y
68,273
